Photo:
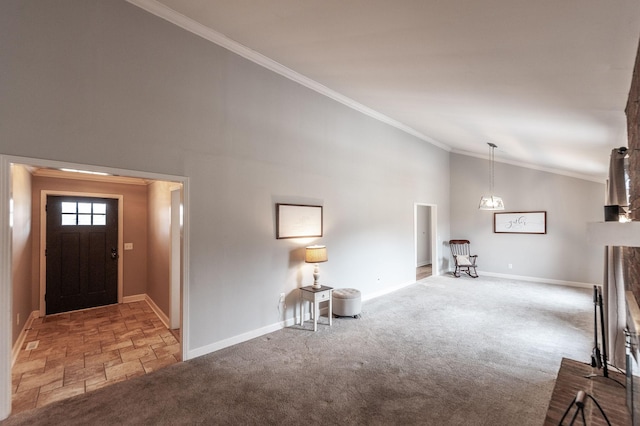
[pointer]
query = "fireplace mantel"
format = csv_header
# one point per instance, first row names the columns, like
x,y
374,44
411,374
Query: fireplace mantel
x,y
622,234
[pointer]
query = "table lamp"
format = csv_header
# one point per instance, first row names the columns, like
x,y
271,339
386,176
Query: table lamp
x,y
316,254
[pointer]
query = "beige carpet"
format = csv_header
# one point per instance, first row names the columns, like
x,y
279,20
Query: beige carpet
x,y
445,351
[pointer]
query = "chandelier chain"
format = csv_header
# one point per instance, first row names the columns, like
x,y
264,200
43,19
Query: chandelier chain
x,y
492,147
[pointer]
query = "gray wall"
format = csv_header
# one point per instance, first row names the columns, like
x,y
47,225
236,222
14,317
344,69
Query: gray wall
x,y
562,254
105,83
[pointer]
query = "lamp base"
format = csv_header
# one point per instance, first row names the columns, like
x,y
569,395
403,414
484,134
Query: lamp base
x,y
316,277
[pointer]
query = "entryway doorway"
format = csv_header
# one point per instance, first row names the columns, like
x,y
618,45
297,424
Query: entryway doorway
x,y
425,226
21,285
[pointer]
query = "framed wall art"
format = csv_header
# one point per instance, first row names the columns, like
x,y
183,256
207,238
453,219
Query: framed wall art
x,y
298,221
520,222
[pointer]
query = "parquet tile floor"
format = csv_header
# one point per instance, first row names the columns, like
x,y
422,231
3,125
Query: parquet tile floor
x,y
81,351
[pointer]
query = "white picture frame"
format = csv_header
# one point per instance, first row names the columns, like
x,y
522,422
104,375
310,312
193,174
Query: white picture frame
x,y
520,222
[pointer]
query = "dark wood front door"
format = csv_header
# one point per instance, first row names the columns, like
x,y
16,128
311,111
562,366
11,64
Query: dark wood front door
x,y
82,256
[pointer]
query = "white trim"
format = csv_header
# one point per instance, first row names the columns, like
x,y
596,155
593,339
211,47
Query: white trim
x,y
538,280
163,317
175,262
532,166
6,289
43,238
185,334
216,346
59,174
22,336
168,14
39,162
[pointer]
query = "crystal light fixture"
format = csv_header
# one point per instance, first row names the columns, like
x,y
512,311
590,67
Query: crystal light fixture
x,y
491,202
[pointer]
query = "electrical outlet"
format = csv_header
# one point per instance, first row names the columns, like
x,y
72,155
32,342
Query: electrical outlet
x,y
510,266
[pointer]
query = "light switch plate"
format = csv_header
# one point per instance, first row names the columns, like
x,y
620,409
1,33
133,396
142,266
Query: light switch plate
x,y
128,246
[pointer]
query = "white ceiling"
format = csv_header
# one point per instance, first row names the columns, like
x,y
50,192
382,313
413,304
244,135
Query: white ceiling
x,y
545,80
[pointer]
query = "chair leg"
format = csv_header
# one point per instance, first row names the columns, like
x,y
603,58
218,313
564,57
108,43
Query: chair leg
x,y
456,273
475,273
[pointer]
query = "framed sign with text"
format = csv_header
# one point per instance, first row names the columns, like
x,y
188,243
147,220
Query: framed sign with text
x,y
520,222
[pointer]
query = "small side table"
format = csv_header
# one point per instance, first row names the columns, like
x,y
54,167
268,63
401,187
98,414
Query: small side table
x,y
315,296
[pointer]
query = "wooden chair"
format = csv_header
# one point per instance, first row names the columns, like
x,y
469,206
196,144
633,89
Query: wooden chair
x,y
464,260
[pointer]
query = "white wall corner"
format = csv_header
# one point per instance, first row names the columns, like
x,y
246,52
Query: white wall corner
x,y
5,289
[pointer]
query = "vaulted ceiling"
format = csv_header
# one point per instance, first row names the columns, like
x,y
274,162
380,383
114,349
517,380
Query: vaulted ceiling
x,y
546,81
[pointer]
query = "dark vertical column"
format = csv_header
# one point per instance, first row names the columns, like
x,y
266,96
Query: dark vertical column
x,y
632,254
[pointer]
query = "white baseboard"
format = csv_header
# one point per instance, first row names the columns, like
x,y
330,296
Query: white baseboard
x,y
538,279
163,317
203,350
145,298
22,336
134,298
234,340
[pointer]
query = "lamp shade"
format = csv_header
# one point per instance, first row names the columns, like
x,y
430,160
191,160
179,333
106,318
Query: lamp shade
x,y
315,254
491,202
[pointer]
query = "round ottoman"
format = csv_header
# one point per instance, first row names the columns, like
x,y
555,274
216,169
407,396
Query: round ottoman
x,y
347,302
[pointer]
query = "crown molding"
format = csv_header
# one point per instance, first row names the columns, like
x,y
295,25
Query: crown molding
x,y
156,8
590,178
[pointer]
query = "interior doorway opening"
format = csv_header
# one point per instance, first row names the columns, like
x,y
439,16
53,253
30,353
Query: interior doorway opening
x,y
425,226
19,198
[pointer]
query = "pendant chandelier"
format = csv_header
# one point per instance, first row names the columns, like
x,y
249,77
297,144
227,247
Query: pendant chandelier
x,y
491,202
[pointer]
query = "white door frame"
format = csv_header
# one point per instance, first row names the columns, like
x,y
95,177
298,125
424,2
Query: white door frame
x,y
43,239
435,259
175,265
6,290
